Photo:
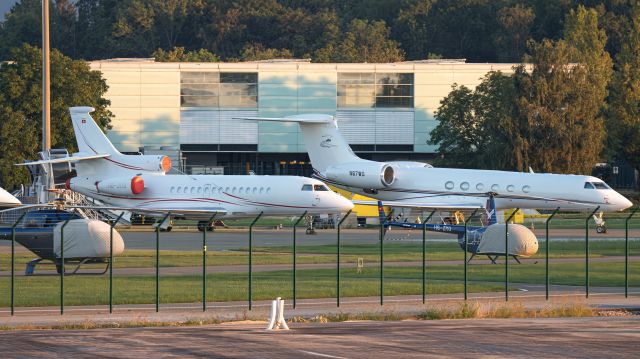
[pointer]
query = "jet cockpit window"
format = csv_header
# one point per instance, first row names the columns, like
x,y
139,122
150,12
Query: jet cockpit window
x,y
320,187
588,185
600,185
307,187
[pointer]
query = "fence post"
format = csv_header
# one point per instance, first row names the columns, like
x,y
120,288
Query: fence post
x,y
62,266
466,249
204,263
382,263
546,254
111,261
13,260
338,260
251,260
506,255
424,256
294,257
626,252
158,260
586,252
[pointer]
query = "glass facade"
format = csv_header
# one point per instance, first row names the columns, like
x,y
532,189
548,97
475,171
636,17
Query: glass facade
x,y
219,89
375,90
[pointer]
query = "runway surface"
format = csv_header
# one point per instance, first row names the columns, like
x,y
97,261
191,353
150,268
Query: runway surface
x,y
512,338
234,239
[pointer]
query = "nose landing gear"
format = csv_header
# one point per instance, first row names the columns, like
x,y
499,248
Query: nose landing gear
x,y
600,223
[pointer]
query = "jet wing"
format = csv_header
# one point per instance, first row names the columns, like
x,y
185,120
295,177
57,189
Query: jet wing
x,y
430,205
63,160
160,210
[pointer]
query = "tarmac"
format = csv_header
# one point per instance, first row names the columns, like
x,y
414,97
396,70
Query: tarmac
x,y
483,338
592,337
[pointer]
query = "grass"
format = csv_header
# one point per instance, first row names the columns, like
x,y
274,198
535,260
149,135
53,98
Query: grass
x,y
317,283
93,290
468,310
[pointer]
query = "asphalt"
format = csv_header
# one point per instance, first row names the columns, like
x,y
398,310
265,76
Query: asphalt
x,y
234,239
501,338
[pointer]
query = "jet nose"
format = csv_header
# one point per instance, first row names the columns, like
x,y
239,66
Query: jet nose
x,y
621,203
344,204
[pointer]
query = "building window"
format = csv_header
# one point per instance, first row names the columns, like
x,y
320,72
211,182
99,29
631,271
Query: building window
x,y
368,89
219,89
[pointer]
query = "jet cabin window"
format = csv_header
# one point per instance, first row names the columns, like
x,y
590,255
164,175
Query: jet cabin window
x,y
596,185
320,187
307,187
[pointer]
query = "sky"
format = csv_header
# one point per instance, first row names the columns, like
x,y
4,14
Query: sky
x,y
5,6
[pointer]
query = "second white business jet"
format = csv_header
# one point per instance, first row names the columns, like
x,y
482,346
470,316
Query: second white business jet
x,y
415,184
140,183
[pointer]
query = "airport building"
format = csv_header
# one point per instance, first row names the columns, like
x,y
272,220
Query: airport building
x,y
187,110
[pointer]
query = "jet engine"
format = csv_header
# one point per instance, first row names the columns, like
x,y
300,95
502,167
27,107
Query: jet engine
x,y
372,175
119,186
152,163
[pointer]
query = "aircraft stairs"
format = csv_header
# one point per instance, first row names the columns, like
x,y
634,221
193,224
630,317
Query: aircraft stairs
x,y
78,199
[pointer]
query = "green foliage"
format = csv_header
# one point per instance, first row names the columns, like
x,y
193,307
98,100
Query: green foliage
x,y
178,54
475,128
624,112
72,84
255,52
548,117
478,30
364,41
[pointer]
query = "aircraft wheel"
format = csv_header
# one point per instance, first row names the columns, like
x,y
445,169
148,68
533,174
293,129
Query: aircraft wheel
x,y
601,229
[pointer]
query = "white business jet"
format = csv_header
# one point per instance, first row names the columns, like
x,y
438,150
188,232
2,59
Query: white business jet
x,y
415,184
140,183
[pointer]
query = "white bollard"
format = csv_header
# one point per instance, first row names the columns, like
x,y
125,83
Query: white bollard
x,y
276,317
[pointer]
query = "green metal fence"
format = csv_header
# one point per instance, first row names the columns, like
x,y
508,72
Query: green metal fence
x,y
417,278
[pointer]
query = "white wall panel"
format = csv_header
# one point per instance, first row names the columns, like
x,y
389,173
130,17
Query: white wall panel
x,y
394,127
238,131
358,127
199,127
213,127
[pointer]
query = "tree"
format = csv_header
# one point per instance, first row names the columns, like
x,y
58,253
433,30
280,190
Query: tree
x,y
623,124
475,128
561,100
73,83
365,41
515,30
23,25
178,54
256,52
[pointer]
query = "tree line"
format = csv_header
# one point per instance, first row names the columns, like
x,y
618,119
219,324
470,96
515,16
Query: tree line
x,y
573,101
570,105
322,30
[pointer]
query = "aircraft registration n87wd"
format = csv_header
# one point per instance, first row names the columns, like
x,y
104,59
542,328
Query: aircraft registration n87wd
x,y
139,182
415,184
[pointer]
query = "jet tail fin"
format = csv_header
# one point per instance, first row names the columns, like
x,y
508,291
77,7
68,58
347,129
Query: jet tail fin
x,y
324,142
492,217
89,136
